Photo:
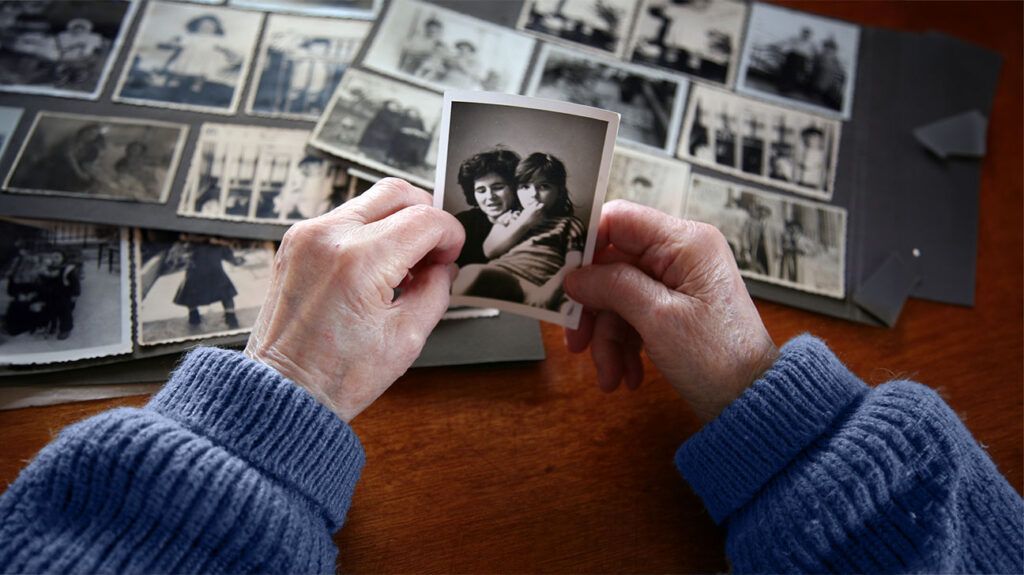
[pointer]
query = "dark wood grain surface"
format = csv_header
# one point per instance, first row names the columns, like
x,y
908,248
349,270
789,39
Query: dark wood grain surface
x,y
530,468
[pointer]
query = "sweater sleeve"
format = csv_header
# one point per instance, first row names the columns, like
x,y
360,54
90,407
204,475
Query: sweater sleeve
x,y
231,467
813,471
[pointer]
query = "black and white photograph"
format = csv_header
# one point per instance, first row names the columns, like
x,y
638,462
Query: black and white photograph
x,y
601,25
190,57
775,239
526,178
651,102
64,292
358,183
300,63
190,286
442,49
656,182
765,143
9,118
700,38
384,125
800,59
257,174
61,47
98,157
362,9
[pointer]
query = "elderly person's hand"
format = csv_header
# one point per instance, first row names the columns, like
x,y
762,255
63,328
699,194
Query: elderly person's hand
x,y
670,287
331,322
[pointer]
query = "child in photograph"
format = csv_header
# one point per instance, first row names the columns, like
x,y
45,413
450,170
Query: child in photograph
x,y
311,77
488,182
205,280
78,48
812,158
532,248
422,46
200,56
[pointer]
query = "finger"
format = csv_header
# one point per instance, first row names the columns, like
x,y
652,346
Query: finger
x,y
577,340
423,301
633,365
617,287
606,351
386,197
413,235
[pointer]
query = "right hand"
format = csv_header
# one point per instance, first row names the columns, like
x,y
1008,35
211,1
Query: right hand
x,y
671,287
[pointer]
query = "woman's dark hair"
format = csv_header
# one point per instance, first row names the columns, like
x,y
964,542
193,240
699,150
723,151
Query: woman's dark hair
x,y
501,163
193,24
545,168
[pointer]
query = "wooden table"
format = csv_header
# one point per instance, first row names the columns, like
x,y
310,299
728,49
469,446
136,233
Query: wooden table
x,y
530,468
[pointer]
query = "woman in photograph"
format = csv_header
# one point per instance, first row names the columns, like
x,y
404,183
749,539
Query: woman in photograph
x,y
488,182
205,281
533,248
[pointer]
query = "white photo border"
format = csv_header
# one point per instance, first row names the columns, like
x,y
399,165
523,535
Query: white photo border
x,y
17,113
271,7
571,319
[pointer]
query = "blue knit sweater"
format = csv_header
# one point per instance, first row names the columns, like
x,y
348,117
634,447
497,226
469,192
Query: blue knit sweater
x,y
233,468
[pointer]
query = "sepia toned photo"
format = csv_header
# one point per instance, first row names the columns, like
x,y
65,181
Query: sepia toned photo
x,y
61,47
700,38
300,63
800,59
649,180
442,49
775,239
98,157
190,286
190,56
9,118
601,25
785,148
363,9
650,101
257,174
384,125
526,178
64,292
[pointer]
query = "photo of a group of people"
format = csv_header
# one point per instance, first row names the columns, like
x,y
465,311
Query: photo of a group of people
x,y
775,239
785,148
597,24
257,174
64,292
442,49
60,47
92,156
191,286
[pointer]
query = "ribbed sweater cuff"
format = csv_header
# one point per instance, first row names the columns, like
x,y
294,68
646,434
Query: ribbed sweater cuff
x,y
252,411
795,402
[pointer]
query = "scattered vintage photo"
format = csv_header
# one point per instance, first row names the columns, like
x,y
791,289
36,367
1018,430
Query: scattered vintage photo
x,y
363,9
650,101
9,118
358,183
800,59
257,174
442,49
190,56
60,47
649,180
384,125
300,63
526,178
770,144
64,292
598,24
190,286
701,38
775,239
98,157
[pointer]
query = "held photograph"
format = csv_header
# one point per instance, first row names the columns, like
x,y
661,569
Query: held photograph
x,y
442,49
526,178
61,47
700,38
775,239
601,25
384,125
362,9
649,180
650,101
800,59
300,63
257,174
190,286
64,292
769,144
98,157
190,57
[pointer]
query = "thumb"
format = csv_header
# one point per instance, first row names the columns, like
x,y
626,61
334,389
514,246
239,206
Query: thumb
x,y
618,287
425,298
